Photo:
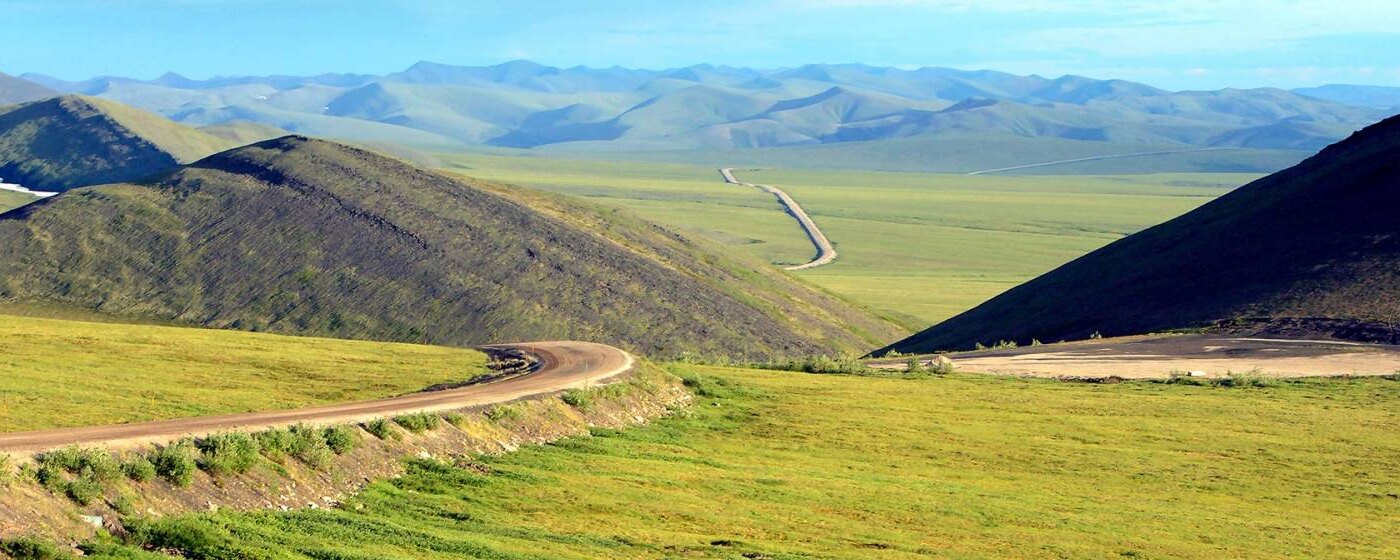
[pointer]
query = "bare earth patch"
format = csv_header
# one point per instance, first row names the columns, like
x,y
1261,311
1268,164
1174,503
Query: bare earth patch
x,y
1158,356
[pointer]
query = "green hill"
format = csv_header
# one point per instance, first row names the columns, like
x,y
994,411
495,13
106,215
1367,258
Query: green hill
x,y
71,141
1310,251
304,236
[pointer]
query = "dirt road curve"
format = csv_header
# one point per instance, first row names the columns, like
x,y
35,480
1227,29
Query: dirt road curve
x,y
561,365
825,252
1149,357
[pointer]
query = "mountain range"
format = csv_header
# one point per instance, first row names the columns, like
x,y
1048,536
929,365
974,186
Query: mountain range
x,y
522,104
1310,252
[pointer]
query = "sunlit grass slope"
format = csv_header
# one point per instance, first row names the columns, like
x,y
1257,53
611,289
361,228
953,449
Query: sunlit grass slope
x,y
922,246
10,200
58,373
786,465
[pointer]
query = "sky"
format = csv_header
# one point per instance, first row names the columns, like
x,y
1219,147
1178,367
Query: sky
x,y
1175,44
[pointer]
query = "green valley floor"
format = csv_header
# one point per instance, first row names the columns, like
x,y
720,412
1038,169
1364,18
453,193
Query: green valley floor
x,y
918,247
786,465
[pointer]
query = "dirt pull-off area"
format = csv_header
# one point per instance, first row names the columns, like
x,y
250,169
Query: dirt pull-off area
x,y
1155,357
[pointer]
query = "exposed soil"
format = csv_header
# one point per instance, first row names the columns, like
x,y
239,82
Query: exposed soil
x,y
1155,357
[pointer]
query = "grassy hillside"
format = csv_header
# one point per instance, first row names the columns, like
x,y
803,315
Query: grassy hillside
x,y
304,236
828,466
59,373
10,200
73,141
1311,251
921,247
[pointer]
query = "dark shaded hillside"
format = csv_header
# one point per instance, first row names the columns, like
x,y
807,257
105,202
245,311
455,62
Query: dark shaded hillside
x,y
70,141
304,236
1310,251
19,90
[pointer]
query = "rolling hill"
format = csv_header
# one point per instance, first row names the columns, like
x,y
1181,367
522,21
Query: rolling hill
x,y
294,235
522,104
1310,251
71,141
18,90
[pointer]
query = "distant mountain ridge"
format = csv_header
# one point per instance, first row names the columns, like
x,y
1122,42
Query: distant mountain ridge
x,y
524,104
1311,251
71,141
19,90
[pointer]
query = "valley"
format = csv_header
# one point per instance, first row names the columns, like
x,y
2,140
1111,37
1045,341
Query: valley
x,y
988,232
1026,280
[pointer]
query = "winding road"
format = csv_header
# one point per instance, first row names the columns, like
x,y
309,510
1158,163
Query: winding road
x,y
825,252
558,365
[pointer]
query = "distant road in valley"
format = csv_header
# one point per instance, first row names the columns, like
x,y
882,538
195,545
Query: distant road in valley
x,y
558,366
1096,158
825,252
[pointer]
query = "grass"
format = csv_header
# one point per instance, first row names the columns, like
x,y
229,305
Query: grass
x,y
922,247
57,373
784,465
10,200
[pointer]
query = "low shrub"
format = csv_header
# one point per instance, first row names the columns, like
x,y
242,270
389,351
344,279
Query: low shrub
x,y
309,446
275,444
503,412
821,364
30,548
455,418
915,366
225,454
83,490
383,429
139,468
418,422
577,398
176,462
341,439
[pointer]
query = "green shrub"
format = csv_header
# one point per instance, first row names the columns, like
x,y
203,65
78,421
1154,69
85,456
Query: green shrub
x,y
1254,378
502,412
455,418
309,446
341,439
176,462
383,429
821,364
275,444
418,422
915,366
68,459
139,468
30,548
225,454
577,398
50,476
192,537
83,490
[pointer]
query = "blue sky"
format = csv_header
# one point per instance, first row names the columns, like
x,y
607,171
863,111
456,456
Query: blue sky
x,y
1181,44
